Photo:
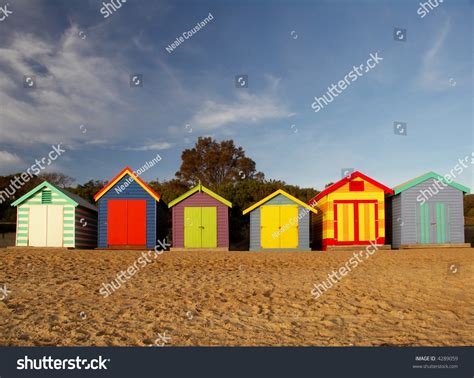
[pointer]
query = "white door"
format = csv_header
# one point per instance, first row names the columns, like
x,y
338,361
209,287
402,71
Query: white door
x,y
37,221
45,226
55,226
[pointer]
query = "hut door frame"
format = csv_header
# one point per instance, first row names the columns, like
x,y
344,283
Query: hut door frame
x,y
126,222
355,220
200,227
433,223
46,225
279,226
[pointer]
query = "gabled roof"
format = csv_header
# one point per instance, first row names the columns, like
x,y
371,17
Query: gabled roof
x,y
347,179
199,188
274,194
430,175
116,179
72,198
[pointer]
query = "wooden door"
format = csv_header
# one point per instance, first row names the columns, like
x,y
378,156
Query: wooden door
x,y
192,227
270,226
117,222
55,226
289,226
136,222
442,223
367,221
208,227
344,222
434,223
37,226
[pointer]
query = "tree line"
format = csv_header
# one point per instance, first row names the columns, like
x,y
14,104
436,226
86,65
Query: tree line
x,y
220,166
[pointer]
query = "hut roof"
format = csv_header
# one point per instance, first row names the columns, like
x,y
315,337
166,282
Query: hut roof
x,y
74,199
199,188
347,179
274,194
429,175
116,179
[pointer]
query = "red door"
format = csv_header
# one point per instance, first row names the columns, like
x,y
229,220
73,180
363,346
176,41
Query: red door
x,y
117,222
127,222
136,227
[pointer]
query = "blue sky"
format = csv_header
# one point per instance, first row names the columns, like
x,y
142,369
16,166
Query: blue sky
x,y
290,50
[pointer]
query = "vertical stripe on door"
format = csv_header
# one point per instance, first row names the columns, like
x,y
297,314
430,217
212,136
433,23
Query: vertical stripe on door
x,y
424,223
440,222
427,223
371,224
340,222
443,223
362,221
448,225
354,215
345,220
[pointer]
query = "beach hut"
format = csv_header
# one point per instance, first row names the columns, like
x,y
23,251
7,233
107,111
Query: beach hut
x,y
131,214
200,220
279,222
48,216
428,211
352,213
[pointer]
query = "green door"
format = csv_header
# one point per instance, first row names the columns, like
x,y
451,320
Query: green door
x,y
209,227
424,223
440,223
200,227
433,223
192,227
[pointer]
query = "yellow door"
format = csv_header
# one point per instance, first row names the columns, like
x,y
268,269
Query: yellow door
x,y
289,226
192,227
367,222
209,227
270,226
279,226
345,222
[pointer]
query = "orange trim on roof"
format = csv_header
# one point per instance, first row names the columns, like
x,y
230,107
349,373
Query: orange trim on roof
x,y
126,171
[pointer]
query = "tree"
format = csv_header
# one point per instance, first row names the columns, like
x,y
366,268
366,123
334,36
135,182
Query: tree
x,y
8,213
89,189
57,178
169,190
215,164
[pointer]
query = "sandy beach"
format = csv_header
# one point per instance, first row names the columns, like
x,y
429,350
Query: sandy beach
x,y
402,298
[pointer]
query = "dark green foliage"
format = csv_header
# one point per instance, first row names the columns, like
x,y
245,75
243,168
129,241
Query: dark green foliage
x,y
215,163
89,189
469,205
8,213
220,166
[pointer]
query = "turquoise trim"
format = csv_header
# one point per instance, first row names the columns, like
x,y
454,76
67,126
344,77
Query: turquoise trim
x,y
44,184
430,175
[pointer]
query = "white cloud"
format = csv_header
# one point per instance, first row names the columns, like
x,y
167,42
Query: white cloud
x,y
432,76
151,147
73,86
247,108
10,162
